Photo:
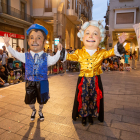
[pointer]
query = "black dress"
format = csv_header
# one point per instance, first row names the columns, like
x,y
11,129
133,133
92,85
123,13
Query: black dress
x,y
75,112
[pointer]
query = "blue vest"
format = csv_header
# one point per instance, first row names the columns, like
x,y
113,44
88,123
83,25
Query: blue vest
x,y
38,71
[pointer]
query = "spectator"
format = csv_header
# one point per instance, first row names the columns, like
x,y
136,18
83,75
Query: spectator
x,y
4,59
130,55
11,78
128,68
126,56
28,50
121,67
18,49
1,83
18,72
134,60
3,75
23,50
105,66
4,50
61,69
115,66
55,71
111,66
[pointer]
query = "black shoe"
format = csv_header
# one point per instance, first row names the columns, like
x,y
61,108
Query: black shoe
x,y
90,120
33,115
41,116
84,122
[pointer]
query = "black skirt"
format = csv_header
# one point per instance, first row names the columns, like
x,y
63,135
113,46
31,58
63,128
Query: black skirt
x,y
75,112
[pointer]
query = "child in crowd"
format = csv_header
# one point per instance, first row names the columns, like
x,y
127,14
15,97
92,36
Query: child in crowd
x,y
1,83
115,66
128,68
111,66
3,75
18,72
121,67
11,78
55,71
105,65
61,69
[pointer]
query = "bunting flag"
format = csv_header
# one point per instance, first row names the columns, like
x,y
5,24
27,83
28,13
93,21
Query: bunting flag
x,y
137,30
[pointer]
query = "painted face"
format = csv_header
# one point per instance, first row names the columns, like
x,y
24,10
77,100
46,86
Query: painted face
x,y
91,37
36,41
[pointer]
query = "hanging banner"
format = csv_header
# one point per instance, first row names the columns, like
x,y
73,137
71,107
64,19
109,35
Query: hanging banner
x,y
137,30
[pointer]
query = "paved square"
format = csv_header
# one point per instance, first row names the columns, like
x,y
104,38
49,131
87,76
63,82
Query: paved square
x,y
121,101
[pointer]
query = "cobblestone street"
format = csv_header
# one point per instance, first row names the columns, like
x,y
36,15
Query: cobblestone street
x,y
122,110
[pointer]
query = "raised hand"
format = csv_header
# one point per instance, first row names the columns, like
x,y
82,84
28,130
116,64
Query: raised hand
x,y
6,39
59,46
122,38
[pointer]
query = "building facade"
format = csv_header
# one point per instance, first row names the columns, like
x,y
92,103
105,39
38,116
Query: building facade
x,y
62,19
15,19
120,17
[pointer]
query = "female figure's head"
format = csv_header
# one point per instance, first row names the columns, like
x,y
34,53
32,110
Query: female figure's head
x,y
92,33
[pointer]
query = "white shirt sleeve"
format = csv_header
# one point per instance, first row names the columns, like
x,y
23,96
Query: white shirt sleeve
x,y
19,56
53,59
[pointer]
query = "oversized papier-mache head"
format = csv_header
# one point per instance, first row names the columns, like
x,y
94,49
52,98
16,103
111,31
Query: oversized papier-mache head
x,y
98,24
37,37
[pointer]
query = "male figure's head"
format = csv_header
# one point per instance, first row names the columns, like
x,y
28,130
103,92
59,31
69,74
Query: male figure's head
x,y
36,37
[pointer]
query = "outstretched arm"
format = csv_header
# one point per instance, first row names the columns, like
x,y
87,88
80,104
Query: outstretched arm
x,y
118,49
19,56
53,59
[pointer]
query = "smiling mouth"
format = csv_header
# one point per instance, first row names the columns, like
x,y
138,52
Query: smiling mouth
x,y
90,40
35,45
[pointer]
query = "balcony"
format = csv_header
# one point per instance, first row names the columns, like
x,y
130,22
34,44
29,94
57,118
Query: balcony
x,y
6,9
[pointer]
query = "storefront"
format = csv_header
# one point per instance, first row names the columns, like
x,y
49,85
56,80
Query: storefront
x,y
15,40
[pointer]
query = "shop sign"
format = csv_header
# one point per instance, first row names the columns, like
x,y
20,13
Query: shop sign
x,y
12,35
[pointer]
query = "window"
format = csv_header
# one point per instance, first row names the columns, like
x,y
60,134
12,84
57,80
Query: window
x,y
76,8
72,4
125,18
22,10
4,4
68,4
48,5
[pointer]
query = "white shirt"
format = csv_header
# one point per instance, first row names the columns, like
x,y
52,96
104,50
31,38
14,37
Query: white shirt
x,y
51,60
3,58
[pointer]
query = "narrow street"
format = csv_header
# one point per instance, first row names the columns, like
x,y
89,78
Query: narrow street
x,y
122,110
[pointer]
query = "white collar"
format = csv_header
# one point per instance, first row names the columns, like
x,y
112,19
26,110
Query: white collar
x,y
33,53
91,52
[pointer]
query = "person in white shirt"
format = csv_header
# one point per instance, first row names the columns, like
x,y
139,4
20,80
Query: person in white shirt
x,y
36,66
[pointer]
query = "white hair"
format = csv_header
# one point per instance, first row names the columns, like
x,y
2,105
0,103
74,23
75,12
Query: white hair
x,y
98,24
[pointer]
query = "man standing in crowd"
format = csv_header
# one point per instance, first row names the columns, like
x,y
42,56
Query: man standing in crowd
x,y
4,59
4,50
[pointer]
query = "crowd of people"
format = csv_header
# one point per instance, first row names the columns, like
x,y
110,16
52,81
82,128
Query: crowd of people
x,y
116,63
62,67
12,70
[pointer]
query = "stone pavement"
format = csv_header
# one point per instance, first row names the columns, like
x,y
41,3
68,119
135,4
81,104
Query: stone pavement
x,y
122,111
